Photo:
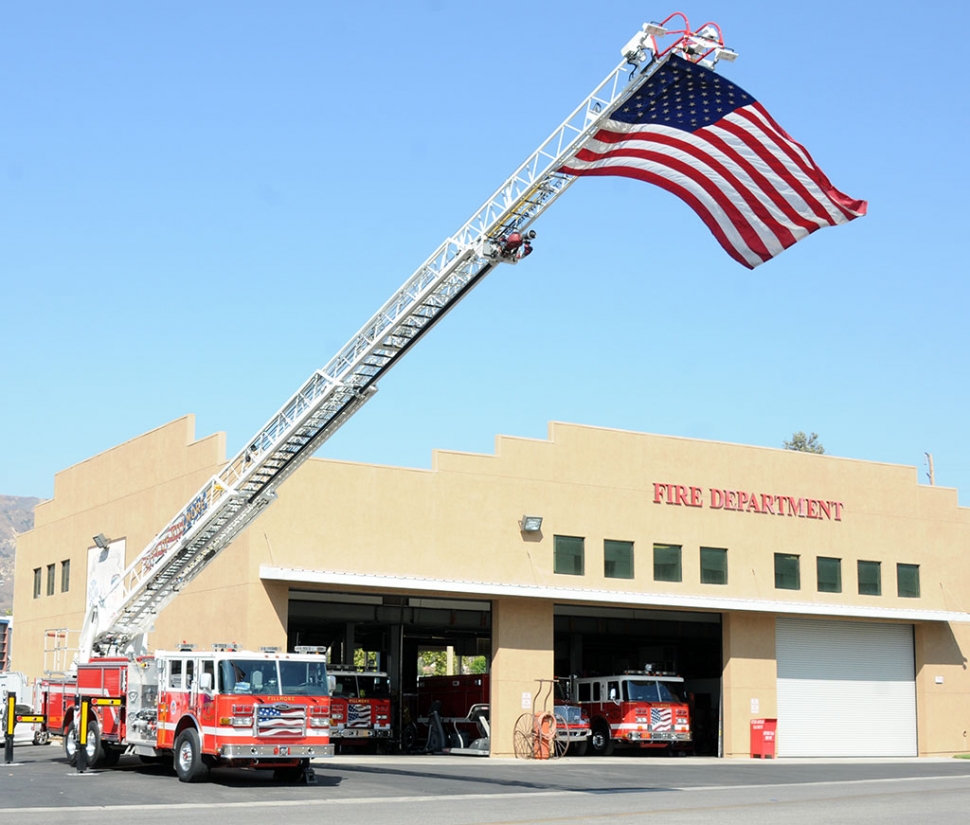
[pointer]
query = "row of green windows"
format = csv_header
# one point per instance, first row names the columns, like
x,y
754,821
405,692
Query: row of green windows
x,y
570,559
52,578
828,573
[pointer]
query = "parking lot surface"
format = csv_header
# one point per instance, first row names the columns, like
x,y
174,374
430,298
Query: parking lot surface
x,y
40,787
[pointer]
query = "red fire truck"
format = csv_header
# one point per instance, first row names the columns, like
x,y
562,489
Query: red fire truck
x,y
451,713
360,708
198,710
640,708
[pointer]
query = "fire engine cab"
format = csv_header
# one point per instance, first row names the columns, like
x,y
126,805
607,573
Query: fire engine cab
x,y
360,707
640,708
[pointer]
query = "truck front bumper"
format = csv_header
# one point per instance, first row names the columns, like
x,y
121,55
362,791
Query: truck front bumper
x,y
657,736
282,752
359,733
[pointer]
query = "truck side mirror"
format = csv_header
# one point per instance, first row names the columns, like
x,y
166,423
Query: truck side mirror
x,y
205,682
331,684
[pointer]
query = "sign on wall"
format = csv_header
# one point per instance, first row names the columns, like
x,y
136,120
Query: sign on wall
x,y
748,501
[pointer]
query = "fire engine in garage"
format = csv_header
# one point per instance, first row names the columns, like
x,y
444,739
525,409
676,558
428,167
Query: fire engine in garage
x,y
360,707
451,713
641,708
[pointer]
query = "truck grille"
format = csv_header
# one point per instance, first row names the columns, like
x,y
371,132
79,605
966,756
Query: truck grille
x,y
280,720
570,714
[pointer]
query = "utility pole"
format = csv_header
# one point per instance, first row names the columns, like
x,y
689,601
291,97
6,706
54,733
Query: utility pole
x,y
929,473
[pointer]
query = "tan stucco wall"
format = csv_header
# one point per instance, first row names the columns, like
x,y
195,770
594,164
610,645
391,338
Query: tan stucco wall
x,y
750,677
130,492
457,524
521,654
599,484
942,701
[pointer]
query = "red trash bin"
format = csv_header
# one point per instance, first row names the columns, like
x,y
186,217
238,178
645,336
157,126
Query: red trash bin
x,y
763,738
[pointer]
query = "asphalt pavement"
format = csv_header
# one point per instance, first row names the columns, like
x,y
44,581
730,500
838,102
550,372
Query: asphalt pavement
x,y
453,790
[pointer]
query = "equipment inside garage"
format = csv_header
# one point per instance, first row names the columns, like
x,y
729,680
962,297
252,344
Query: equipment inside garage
x,y
588,641
602,640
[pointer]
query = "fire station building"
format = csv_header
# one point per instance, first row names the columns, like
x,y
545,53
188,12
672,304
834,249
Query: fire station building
x,y
830,594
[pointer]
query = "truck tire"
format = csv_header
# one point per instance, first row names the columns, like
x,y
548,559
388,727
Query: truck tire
x,y
94,751
601,741
409,738
188,756
579,748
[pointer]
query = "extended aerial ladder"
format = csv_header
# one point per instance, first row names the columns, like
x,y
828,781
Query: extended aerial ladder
x,y
229,501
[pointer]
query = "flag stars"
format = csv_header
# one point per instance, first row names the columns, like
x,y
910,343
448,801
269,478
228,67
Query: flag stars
x,y
682,95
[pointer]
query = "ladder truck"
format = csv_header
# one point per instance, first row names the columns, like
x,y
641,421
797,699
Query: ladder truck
x,y
267,709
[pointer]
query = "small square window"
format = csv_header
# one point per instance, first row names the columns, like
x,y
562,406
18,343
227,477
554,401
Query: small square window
x,y
713,565
666,563
829,572
907,581
618,559
65,575
568,555
870,578
787,572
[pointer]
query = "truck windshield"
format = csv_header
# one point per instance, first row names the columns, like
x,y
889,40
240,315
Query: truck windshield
x,y
269,677
648,690
361,686
374,687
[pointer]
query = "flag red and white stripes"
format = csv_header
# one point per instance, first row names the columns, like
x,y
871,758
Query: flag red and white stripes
x,y
706,140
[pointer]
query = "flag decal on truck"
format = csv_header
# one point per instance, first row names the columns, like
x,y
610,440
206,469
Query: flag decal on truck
x,y
280,720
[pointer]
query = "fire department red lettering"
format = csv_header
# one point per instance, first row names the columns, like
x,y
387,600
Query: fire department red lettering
x,y
744,501
678,494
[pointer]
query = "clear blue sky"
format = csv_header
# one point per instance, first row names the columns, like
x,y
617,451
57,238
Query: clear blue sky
x,y
201,202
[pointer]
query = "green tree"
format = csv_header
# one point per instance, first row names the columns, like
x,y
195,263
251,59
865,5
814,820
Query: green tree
x,y
802,443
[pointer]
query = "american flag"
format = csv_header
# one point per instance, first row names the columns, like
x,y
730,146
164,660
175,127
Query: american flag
x,y
279,720
710,143
661,719
358,715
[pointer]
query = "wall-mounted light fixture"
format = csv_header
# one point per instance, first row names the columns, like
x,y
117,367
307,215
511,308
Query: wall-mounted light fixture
x,y
102,541
530,524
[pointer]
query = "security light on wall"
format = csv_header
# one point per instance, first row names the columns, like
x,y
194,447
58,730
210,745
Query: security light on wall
x,y
101,541
530,524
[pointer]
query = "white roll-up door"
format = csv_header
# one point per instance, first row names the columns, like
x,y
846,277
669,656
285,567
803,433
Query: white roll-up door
x,y
845,688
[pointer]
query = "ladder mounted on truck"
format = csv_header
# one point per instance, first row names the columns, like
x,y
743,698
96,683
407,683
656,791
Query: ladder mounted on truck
x,y
229,501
